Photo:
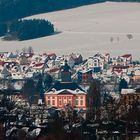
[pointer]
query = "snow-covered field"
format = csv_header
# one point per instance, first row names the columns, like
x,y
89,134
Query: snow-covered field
x,y
88,29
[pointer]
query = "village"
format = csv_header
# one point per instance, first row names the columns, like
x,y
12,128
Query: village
x,y
69,97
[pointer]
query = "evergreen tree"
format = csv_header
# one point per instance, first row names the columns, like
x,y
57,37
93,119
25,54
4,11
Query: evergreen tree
x,y
29,88
30,50
47,81
93,98
123,84
3,29
15,9
39,85
30,29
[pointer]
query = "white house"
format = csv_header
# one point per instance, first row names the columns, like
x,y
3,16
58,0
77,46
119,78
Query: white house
x,y
17,75
51,63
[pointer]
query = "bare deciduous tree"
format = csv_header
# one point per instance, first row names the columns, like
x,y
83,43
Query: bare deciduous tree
x,y
111,39
17,52
129,36
118,39
93,99
24,50
30,50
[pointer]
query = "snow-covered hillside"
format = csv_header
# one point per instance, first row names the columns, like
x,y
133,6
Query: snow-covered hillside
x,y
99,27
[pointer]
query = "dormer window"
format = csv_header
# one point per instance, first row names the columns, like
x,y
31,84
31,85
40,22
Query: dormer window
x,y
53,90
77,90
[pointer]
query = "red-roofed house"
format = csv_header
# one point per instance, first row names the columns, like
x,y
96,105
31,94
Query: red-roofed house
x,y
52,56
38,66
54,72
127,58
120,70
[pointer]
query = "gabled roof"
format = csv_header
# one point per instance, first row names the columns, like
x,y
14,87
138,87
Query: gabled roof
x,y
126,55
53,70
120,66
118,71
85,71
38,65
65,85
99,55
11,55
65,92
51,56
5,71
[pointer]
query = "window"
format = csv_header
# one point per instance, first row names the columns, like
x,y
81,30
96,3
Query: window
x,y
76,102
49,103
60,102
65,101
81,97
53,102
81,102
53,97
76,97
69,101
48,97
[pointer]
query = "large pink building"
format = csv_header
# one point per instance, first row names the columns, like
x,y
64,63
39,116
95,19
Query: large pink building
x,y
59,98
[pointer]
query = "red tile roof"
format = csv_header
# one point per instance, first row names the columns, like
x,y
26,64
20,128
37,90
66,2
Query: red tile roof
x,y
39,65
2,63
54,70
118,71
126,55
51,54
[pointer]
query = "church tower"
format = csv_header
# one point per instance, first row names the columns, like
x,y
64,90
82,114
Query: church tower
x,y
65,73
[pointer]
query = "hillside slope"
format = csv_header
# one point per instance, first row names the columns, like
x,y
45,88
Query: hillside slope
x,y
89,29
15,9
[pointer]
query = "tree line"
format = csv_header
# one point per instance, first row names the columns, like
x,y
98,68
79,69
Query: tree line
x,y
11,10
3,29
27,29
16,9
